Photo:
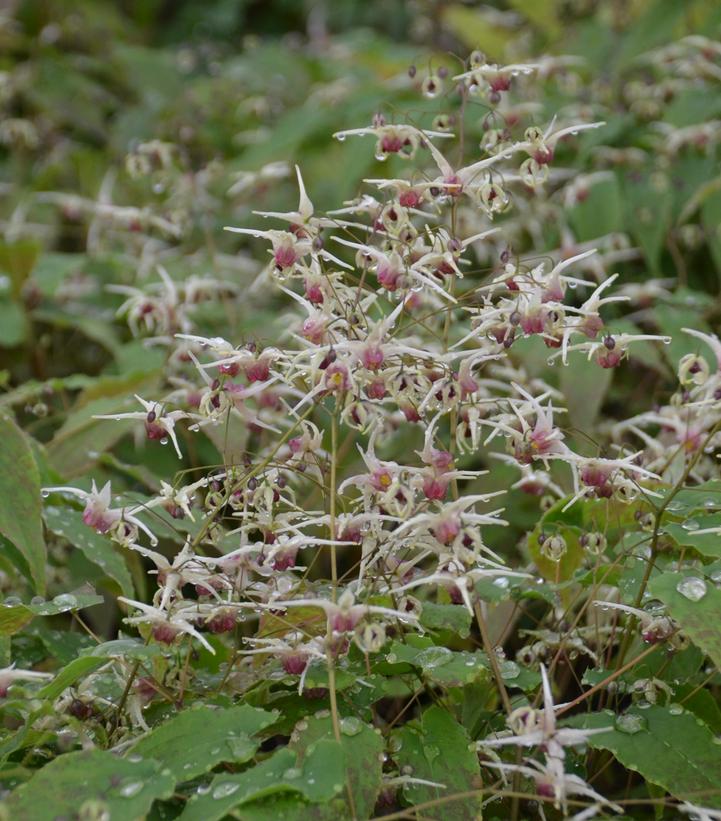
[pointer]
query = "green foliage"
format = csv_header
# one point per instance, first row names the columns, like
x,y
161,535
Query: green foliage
x,y
90,782
189,744
20,504
685,759
437,749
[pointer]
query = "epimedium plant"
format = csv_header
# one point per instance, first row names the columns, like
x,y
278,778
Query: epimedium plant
x,y
407,586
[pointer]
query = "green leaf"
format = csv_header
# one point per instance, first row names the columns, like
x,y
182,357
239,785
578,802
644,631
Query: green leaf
x,y
198,739
711,218
585,387
438,664
362,749
684,533
20,503
124,648
706,496
453,617
436,748
698,619
13,323
319,778
124,789
647,206
673,749
71,673
599,213
14,617
18,259
671,318
68,523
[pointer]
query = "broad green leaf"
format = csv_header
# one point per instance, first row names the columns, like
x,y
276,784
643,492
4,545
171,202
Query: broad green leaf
x,y
599,213
647,205
124,789
198,738
585,386
685,533
13,323
362,749
453,617
18,259
15,616
705,497
126,649
68,523
318,779
13,619
672,318
436,663
699,618
20,504
436,748
667,746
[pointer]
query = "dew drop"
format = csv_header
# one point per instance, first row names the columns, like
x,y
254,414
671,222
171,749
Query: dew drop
x,y
509,670
65,600
292,773
131,788
690,525
225,789
351,725
434,657
630,723
692,587
675,709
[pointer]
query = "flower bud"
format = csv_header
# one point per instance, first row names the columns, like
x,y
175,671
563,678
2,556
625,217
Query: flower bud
x,y
693,370
554,548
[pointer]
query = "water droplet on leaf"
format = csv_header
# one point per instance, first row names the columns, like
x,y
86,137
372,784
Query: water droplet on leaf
x,y
692,587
